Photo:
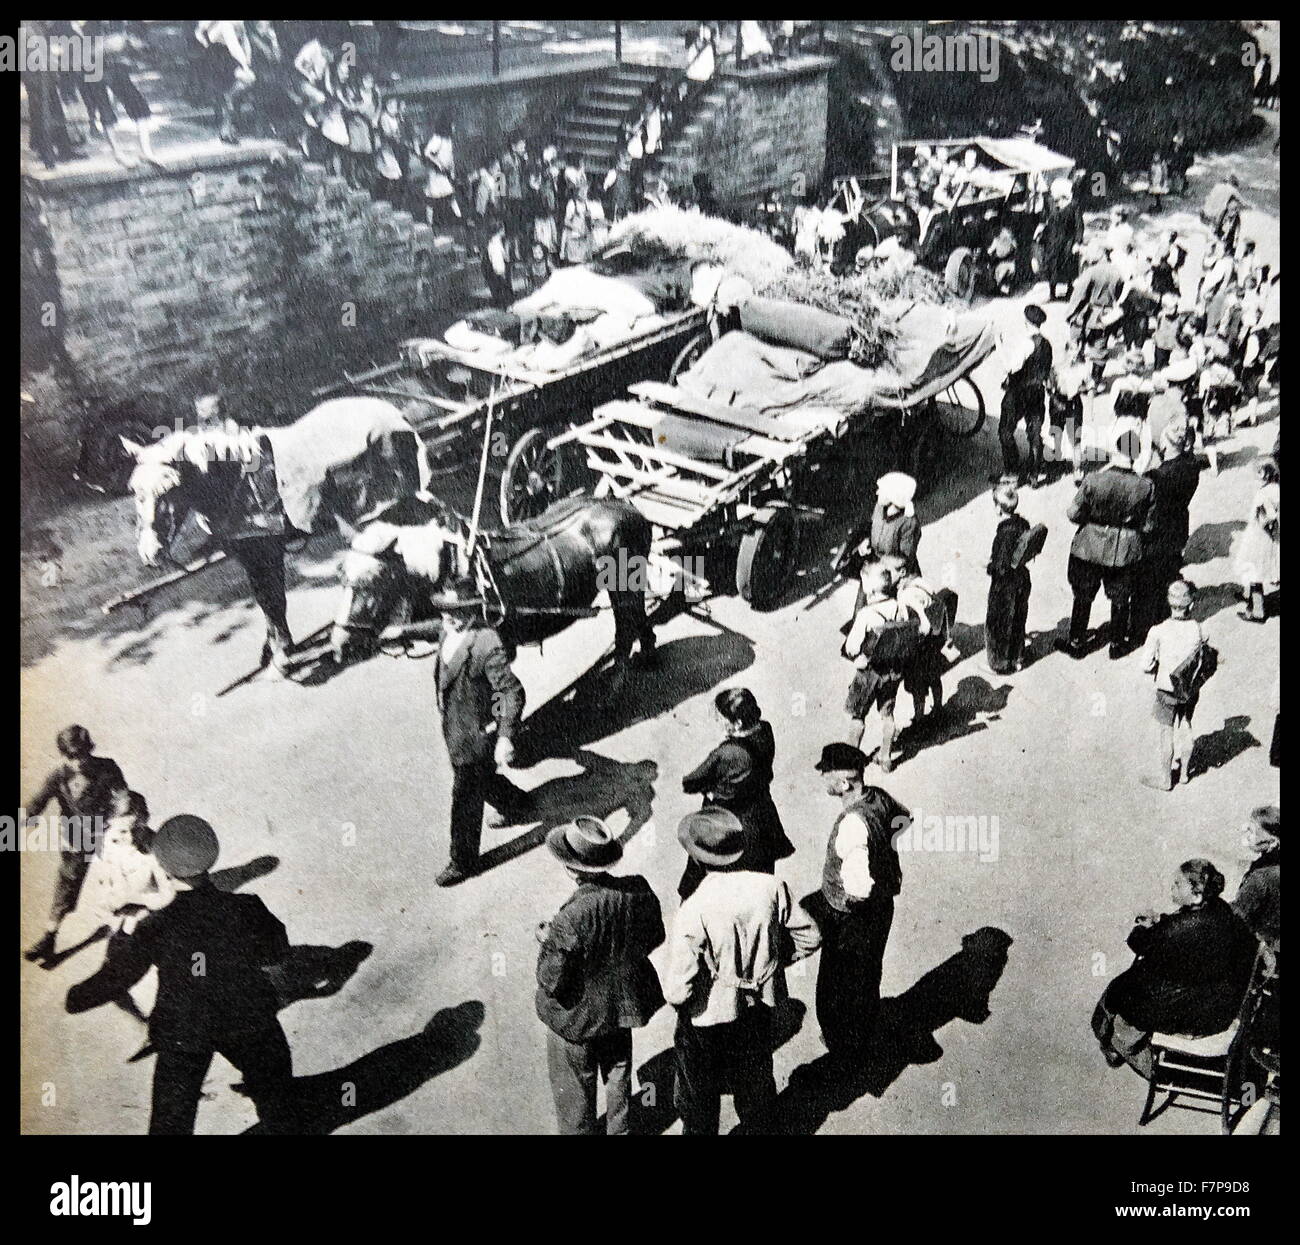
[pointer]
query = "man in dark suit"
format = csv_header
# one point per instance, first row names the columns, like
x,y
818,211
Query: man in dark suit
x,y
211,949
1175,480
1115,511
481,702
595,982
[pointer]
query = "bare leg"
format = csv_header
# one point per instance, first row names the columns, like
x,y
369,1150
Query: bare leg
x,y
857,728
887,730
1182,743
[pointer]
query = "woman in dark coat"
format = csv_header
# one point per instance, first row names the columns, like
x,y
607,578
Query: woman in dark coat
x,y
1062,231
737,776
1009,585
1190,976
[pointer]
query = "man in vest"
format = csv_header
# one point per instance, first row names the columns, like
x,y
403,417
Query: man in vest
x,y
1025,398
856,906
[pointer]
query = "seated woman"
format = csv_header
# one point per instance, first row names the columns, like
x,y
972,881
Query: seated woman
x,y
1190,975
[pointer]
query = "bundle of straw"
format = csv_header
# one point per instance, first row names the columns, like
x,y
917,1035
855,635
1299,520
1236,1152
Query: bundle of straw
x,y
661,237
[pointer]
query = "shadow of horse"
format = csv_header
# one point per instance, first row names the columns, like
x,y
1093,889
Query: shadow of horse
x,y
604,787
958,989
327,1101
1215,750
602,702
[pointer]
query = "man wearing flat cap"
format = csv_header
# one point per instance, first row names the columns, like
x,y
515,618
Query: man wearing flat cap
x,y
1024,397
855,908
211,949
595,982
481,702
730,943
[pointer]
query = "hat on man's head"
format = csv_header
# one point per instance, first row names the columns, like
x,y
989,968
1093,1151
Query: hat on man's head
x,y
842,758
1180,370
713,836
1035,315
1062,188
1268,817
186,846
586,844
460,597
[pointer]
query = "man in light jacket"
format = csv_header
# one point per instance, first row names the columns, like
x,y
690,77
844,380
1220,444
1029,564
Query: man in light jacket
x,y
730,943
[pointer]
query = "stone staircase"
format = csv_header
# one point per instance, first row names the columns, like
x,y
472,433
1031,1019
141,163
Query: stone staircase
x,y
593,127
677,161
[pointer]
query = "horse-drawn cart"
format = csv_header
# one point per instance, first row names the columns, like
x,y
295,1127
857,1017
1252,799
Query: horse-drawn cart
x,y
727,456
448,394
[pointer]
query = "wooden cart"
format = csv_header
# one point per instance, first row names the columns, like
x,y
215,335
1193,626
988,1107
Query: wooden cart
x,y
447,395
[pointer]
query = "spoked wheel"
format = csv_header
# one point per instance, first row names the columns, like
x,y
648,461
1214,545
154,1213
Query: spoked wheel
x,y
689,356
768,559
532,479
959,273
960,408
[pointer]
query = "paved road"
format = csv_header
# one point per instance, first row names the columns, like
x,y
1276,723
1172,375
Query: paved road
x,y
332,805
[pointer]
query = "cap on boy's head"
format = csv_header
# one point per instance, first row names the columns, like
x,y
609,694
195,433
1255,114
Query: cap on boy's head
x,y
186,846
842,758
1035,315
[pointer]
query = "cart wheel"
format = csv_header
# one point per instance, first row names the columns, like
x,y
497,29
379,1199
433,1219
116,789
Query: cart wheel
x,y
959,273
690,355
769,555
960,408
104,463
532,478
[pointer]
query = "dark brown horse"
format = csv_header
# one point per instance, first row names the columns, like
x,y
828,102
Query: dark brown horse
x,y
546,571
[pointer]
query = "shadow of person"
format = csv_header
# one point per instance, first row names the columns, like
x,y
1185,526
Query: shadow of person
x,y
1210,541
1215,750
327,1101
1214,598
603,788
958,989
967,639
1239,456
588,710
240,875
959,716
653,1110
310,972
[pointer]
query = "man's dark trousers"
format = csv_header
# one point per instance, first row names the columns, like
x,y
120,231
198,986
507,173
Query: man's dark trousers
x,y
1027,403
712,1058
263,1059
848,977
574,1067
1085,578
472,786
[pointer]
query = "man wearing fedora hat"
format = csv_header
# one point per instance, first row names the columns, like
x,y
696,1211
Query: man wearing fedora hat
x,y
85,789
481,702
1115,512
730,943
595,982
860,878
211,948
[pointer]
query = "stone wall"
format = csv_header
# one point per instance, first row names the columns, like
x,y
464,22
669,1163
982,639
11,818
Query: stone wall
x,y
756,131
243,270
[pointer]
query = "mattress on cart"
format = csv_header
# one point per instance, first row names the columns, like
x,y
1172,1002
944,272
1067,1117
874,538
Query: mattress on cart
x,y
933,351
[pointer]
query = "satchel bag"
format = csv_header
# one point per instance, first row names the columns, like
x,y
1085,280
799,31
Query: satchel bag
x,y
1194,672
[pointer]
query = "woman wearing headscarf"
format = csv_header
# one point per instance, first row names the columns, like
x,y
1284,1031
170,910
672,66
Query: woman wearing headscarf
x,y
737,776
